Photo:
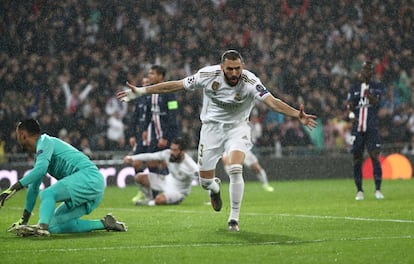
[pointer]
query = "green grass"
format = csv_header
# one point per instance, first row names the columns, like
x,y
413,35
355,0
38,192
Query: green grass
x,y
313,221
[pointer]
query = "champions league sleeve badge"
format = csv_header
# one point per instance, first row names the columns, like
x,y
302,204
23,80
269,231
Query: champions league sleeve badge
x,y
261,89
190,80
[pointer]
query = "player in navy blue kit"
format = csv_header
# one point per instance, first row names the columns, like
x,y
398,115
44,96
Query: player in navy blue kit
x,y
157,123
163,116
363,103
138,132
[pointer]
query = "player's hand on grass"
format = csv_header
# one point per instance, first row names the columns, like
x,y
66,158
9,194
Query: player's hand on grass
x,y
22,221
132,93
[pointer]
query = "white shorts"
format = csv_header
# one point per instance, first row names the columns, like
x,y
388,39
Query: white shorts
x,y
164,184
216,139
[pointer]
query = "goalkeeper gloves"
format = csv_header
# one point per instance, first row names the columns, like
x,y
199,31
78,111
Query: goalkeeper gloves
x,y
7,194
22,221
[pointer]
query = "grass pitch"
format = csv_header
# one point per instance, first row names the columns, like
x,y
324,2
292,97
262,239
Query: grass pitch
x,y
312,221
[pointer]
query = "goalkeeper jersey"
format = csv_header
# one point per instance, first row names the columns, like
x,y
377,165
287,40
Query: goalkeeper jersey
x,y
59,159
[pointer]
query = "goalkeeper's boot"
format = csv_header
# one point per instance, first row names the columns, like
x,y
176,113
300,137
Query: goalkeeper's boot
x,y
111,224
233,225
215,198
31,230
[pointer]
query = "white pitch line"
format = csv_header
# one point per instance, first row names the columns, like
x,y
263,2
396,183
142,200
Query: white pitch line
x,y
316,217
349,218
197,245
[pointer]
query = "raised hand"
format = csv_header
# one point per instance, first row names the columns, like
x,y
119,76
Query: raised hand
x,y
132,93
307,120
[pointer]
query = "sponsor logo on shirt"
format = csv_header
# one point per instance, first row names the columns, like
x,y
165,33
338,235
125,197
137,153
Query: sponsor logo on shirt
x,y
224,105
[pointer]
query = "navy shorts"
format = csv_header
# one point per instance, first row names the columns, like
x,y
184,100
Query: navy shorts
x,y
370,139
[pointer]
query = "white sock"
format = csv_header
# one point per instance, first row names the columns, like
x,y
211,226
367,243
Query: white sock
x,y
147,192
236,189
209,184
262,176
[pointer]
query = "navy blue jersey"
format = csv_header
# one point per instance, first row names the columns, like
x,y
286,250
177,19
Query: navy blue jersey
x,y
140,120
163,118
366,113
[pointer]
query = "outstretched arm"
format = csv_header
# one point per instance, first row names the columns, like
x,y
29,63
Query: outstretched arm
x,y
278,105
159,88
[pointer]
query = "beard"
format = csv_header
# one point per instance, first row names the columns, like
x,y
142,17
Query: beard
x,y
232,80
177,158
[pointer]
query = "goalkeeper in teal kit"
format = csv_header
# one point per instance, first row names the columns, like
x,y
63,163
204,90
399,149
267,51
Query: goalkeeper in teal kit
x,y
79,187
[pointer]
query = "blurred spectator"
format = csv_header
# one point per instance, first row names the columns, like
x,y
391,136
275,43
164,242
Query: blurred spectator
x,y
295,136
409,147
115,131
57,55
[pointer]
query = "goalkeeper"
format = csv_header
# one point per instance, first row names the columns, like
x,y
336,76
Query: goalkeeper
x,y
79,187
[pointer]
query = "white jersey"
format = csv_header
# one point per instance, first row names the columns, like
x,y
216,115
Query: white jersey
x,y
180,174
224,103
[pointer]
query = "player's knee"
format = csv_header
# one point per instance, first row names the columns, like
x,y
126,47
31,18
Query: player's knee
x,y
357,159
160,199
47,193
140,178
54,229
256,167
374,154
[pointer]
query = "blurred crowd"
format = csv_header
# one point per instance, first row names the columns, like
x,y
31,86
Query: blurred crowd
x,y
63,61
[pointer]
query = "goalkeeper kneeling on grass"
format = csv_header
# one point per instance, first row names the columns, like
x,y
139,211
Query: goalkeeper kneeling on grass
x,y
79,187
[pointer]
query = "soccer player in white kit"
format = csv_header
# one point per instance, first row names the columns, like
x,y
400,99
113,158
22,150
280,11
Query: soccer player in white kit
x,y
174,187
229,94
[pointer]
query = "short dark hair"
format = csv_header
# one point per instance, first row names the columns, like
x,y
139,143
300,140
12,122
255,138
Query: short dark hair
x,y
180,142
159,69
231,55
31,125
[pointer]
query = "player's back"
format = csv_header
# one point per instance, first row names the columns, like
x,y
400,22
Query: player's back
x,y
65,159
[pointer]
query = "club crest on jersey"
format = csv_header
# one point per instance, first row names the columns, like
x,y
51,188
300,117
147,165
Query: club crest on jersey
x,y
261,89
215,87
237,97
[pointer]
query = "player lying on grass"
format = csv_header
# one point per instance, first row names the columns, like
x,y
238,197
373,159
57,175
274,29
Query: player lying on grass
x,y
79,187
172,188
